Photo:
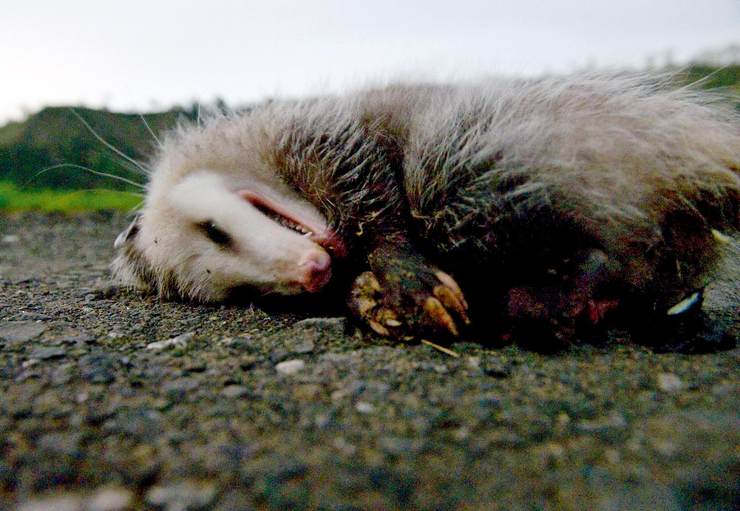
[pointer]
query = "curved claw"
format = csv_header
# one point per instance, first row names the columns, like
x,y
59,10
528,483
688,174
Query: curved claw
x,y
448,281
378,328
439,315
452,301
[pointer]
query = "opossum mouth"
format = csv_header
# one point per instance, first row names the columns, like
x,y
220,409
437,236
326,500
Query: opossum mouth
x,y
319,234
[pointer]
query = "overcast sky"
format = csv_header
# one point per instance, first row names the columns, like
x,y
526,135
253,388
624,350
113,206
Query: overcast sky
x,y
152,54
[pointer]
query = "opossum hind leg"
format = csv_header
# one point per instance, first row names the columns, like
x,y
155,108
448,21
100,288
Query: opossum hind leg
x,y
405,297
570,300
584,295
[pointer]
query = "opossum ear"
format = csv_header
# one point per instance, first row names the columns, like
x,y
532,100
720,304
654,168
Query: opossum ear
x,y
128,233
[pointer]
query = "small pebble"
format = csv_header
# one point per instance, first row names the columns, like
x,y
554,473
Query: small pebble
x,y
233,391
290,366
11,238
111,498
185,495
669,382
181,341
364,407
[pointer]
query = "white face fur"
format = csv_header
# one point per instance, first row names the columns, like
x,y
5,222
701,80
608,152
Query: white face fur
x,y
208,235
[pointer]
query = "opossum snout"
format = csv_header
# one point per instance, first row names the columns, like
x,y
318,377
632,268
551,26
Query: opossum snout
x,y
316,270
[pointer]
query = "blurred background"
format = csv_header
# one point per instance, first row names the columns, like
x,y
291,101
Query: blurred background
x,y
114,66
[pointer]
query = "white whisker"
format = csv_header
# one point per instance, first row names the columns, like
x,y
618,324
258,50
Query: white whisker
x,y
110,146
95,172
151,132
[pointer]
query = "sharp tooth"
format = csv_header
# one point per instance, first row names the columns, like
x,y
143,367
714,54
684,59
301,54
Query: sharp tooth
x,y
290,224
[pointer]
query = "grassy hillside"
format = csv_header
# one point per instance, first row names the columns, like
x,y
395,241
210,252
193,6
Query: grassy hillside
x,y
57,135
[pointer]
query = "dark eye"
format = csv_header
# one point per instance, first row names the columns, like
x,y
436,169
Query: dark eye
x,y
215,234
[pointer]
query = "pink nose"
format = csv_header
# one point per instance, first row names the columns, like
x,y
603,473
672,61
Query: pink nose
x,y
316,267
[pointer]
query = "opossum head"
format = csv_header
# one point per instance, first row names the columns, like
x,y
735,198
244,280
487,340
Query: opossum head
x,y
208,236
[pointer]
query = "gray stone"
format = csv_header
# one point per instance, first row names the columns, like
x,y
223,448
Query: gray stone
x,y
17,332
669,382
110,498
48,353
364,407
181,341
290,367
182,496
234,391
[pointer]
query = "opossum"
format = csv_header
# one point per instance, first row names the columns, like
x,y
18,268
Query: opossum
x,y
537,207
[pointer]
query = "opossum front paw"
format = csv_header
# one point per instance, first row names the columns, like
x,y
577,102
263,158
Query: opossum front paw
x,y
408,300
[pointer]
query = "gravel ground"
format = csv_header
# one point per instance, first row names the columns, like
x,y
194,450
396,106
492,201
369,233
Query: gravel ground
x,y
114,401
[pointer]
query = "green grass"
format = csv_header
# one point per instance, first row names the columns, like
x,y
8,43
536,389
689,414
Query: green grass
x,y
13,198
